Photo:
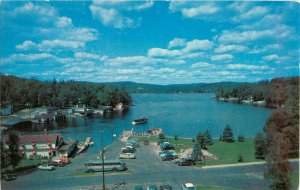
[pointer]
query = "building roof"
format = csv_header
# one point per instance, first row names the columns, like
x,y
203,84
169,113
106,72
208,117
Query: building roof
x,y
43,116
43,138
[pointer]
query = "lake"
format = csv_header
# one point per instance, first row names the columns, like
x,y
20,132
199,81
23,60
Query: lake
x,y
184,115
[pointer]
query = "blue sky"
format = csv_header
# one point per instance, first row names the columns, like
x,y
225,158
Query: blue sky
x,y
158,42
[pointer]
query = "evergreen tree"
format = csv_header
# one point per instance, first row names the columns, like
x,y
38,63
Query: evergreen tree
x,y
207,137
228,134
197,152
260,146
13,149
201,139
4,160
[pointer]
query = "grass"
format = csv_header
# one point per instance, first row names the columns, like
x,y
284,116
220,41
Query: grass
x,y
213,188
295,179
23,165
228,153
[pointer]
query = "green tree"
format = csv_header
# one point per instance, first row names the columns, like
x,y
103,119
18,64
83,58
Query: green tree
x,y
4,160
241,138
207,138
228,134
13,149
197,152
161,136
201,139
260,146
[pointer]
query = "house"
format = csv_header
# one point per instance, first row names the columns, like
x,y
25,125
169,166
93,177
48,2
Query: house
x,y
40,145
155,131
16,122
68,149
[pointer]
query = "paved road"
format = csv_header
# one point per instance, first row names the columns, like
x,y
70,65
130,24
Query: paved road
x,y
146,169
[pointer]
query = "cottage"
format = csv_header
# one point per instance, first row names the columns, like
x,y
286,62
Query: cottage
x,y
155,131
42,145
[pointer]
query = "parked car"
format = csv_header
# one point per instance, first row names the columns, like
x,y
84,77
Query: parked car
x,y
167,157
127,156
165,187
152,187
146,142
166,146
131,147
188,186
134,143
185,162
46,167
8,177
160,141
127,150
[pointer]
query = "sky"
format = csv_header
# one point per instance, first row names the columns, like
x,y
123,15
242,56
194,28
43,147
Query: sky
x,y
157,42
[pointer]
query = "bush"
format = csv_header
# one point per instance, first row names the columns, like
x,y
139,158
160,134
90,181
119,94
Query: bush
x,y
240,158
176,137
161,136
241,138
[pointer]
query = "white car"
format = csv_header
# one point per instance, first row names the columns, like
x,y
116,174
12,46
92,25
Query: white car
x,y
188,186
127,156
46,167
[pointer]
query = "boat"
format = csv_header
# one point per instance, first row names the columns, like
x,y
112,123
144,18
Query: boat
x,y
140,121
83,146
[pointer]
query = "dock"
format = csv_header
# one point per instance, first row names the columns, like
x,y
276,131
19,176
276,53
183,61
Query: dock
x,y
84,146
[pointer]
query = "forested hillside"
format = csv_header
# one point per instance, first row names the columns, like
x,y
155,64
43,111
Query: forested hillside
x,y
22,93
276,93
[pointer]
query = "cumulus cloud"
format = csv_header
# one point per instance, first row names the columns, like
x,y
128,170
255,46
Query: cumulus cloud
x,y
252,13
202,65
196,44
246,67
159,52
221,57
206,9
26,45
270,47
113,13
63,22
84,55
177,42
230,48
271,57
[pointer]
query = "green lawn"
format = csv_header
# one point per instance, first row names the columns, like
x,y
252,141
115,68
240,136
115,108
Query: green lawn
x,y
213,188
295,179
228,153
24,165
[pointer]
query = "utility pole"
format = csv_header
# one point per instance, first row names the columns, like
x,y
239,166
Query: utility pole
x,y
102,156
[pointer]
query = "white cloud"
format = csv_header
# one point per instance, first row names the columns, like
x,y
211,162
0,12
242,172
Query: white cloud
x,y
221,57
271,57
177,42
230,48
51,44
112,13
26,45
246,67
196,44
63,22
84,55
206,9
159,52
270,47
279,32
33,9
202,65
252,13
30,57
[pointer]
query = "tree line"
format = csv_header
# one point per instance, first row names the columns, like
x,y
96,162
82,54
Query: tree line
x,y
276,92
22,93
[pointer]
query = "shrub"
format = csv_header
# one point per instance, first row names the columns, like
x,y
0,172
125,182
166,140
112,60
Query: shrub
x,y
240,158
241,138
176,137
161,136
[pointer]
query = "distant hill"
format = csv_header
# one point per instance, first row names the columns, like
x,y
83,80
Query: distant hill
x,y
133,87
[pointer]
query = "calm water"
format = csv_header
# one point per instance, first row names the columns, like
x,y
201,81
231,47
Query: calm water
x,y
177,114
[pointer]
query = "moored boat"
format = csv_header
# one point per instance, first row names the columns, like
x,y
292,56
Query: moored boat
x,y
140,121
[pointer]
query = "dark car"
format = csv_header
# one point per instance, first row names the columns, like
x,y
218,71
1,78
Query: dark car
x,y
186,162
146,142
165,187
9,177
128,150
167,157
138,187
166,146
